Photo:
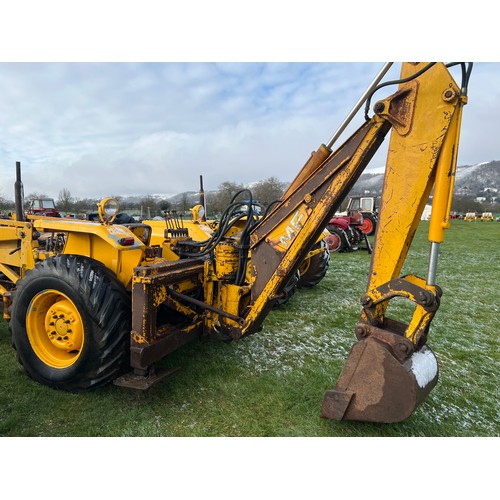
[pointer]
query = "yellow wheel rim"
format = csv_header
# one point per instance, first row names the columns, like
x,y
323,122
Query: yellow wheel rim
x,y
55,329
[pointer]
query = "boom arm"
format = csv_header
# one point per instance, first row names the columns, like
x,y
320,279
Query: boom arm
x,y
425,113
283,239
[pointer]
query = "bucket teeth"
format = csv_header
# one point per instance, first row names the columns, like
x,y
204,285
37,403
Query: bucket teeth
x,y
375,386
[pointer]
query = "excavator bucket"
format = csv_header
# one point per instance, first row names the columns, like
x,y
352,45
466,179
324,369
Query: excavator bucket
x,y
376,386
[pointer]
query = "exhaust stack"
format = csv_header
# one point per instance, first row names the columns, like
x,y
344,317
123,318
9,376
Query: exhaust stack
x,y
19,193
202,200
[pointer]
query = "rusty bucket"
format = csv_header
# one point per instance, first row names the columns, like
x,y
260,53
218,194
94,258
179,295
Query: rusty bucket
x,y
376,386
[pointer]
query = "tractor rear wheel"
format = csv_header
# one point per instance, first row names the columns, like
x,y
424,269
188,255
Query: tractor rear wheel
x,y
70,323
314,269
369,224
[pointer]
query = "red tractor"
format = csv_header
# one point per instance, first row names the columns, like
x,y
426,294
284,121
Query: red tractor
x,y
346,233
42,206
367,206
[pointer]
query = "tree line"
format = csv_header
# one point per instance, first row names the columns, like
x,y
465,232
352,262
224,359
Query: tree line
x,y
264,192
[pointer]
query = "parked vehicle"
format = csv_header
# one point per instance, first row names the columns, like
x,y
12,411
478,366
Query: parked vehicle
x,y
367,206
346,234
42,206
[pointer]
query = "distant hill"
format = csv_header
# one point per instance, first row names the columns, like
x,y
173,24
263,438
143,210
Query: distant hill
x,y
475,179
471,180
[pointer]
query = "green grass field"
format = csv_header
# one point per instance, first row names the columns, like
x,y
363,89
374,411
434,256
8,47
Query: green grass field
x,y
272,383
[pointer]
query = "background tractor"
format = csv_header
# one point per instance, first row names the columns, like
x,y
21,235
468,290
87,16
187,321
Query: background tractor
x,y
346,234
368,208
42,206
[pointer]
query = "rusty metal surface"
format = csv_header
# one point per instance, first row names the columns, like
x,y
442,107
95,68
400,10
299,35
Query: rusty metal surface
x,y
375,386
206,306
375,302
169,272
399,108
335,404
151,341
391,335
149,291
143,355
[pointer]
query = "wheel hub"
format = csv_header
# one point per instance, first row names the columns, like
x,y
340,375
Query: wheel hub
x,y
55,329
61,326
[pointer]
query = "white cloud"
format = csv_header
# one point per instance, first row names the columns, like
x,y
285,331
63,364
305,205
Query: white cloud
x,y
130,128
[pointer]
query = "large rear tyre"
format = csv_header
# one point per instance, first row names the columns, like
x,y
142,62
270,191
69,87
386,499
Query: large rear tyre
x,y
71,322
314,269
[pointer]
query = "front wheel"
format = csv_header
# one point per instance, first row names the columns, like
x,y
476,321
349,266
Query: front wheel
x,y
337,240
70,323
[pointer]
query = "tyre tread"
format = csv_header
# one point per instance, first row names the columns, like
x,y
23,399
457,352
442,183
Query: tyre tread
x,y
106,311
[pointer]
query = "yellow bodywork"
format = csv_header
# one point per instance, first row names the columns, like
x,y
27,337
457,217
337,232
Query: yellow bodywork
x,y
423,148
22,244
413,151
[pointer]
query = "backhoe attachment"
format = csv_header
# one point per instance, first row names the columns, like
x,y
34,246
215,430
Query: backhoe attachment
x,y
224,288
391,369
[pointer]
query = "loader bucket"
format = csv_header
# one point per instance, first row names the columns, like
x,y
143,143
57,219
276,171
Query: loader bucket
x,y
375,386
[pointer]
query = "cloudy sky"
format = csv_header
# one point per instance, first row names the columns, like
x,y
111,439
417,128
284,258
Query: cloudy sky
x,y
119,128
102,129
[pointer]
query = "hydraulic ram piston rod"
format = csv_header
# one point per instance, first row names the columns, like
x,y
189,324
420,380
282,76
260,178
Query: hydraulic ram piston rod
x,y
358,105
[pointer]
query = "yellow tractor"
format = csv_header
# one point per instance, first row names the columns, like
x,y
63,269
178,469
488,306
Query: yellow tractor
x,y
89,304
